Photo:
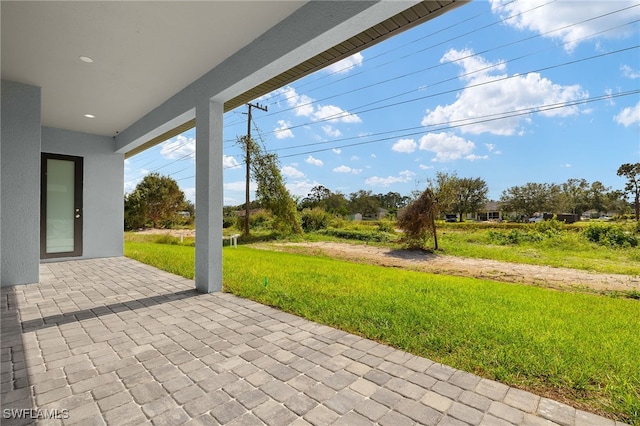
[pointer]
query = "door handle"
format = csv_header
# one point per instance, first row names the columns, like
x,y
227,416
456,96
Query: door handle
x,y
77,213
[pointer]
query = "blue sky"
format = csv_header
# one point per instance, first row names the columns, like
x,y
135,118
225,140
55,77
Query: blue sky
x,y
508,91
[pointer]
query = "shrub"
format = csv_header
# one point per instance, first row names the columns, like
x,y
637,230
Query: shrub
x,y
315,219
229,221
386,226
350,234
553,226
609,235
338,222
259,220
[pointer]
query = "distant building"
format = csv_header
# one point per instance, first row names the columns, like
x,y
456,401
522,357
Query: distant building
x,y
490,212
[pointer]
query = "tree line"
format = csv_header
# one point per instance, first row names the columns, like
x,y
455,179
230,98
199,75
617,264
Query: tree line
x,y
158,201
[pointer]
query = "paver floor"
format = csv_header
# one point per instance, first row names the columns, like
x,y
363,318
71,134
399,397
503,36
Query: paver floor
x,y
113,341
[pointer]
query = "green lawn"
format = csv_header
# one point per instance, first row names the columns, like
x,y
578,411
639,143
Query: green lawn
x,y
584,347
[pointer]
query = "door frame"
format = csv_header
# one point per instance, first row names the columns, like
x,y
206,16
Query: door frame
x,y
78,199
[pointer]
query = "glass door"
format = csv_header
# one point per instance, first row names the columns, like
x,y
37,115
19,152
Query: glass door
x,y
61,206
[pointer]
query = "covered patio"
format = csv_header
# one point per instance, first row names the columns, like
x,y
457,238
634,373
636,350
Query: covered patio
x,y
114,341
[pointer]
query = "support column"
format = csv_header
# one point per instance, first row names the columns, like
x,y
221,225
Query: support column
x,y
209,199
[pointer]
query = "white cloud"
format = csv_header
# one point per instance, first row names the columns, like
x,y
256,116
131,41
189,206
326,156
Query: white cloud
x,y
374,156
330,131
130,185
563,15
228,162
425,167
473,157
405,145
502,95
301,188
239,186
566,165
190,194
629,116
230,201
179,148
609,95
183,148
403,177
334,114
446,146
492,148
314,161
345,65
337,151
302,104
347,169
629,72
355,158
283,131
292,172
473,66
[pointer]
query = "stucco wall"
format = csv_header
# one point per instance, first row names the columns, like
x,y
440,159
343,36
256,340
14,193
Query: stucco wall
x,y
20,184
103,214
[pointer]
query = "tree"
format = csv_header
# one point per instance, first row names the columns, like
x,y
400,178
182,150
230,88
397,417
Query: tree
x,y
529,198
336,203
459,195
597,197
392,201
317,195
156,199
573,197
418,220
632,173
271,191
363,202
134,216
470,195
616,201
443,188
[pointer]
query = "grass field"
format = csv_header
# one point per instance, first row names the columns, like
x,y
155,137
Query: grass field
x,y
578,346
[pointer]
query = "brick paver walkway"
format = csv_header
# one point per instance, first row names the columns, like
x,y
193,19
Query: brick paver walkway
x,y
113,341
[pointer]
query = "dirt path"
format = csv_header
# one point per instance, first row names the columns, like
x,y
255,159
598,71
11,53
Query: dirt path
x,y
542,276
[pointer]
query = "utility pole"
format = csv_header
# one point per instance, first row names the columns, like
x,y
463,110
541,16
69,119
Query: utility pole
x,y
248,164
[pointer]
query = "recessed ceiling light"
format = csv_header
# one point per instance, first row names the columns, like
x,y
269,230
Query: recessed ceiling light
x,y
90,116
86,59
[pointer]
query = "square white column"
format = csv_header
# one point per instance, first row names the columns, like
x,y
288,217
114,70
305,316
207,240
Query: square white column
x,y
209,196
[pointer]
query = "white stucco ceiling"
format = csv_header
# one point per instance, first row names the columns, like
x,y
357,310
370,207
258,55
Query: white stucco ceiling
x,y
143,52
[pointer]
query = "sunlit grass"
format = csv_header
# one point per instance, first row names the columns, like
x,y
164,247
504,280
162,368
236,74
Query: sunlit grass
x,y
582,346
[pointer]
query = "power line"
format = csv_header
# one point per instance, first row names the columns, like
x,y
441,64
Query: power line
x,y
454,124
462,75
471,86
485,119
360,109
457,25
